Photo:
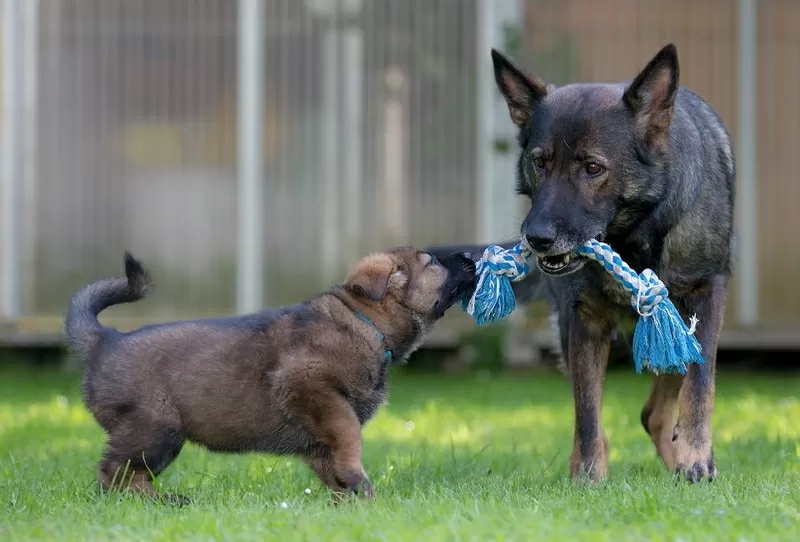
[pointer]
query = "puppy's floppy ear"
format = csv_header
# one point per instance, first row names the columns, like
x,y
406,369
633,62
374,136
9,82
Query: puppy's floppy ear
x,y
520,91
651,97
371,276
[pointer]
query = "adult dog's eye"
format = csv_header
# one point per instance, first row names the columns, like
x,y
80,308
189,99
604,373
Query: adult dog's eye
x,y
432,261
539,162
593,169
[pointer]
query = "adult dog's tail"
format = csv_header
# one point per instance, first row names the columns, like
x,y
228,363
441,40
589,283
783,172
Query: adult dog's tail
x,y
83,330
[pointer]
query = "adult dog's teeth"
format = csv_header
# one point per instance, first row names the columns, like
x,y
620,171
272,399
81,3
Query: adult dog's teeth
x,y
567,258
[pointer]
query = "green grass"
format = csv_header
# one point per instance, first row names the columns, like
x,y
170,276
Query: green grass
x,y
452,458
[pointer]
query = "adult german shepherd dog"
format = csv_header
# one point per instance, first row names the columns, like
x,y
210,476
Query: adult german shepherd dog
x,y
648,167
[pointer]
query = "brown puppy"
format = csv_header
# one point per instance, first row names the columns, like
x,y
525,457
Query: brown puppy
x,y
299,380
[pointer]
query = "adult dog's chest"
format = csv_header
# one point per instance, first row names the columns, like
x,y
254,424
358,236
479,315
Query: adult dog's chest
x,y
613,292
601,301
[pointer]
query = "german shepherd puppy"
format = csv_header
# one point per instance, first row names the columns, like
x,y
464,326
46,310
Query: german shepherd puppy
x,y
299,380
648,167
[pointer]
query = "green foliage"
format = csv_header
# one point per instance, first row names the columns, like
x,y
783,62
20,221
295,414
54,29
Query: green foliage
x,y
452,458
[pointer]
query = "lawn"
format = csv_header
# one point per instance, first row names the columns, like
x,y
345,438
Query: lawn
x,y
453,458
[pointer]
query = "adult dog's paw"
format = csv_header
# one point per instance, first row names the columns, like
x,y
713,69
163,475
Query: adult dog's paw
x,y
692,462
593,467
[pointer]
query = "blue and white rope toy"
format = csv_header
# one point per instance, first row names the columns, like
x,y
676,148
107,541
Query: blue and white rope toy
x,y
662,342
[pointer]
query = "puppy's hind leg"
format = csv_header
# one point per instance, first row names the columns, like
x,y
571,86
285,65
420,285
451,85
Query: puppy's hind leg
x,y
140,448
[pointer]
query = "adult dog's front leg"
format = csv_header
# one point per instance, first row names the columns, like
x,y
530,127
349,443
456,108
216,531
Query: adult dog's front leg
x,y
694,453
587,354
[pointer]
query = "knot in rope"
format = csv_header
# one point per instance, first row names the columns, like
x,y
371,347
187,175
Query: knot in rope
x,y
649,294
511,263
646,289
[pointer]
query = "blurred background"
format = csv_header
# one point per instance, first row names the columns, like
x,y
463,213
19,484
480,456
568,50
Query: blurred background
x,y
248,151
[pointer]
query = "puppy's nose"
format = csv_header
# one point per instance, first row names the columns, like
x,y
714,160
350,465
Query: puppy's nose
x,y
467,264
540,242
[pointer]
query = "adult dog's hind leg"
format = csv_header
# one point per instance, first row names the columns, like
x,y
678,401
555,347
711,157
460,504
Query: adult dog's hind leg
x,y
694,453
660,413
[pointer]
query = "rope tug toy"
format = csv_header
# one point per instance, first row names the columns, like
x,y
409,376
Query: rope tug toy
x,y
662,343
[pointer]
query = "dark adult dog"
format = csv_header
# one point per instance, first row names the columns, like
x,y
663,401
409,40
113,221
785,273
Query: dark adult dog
x,y
300,380
648,167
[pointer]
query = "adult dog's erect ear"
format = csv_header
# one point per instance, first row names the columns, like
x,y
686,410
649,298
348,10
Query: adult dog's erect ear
x,y
520,91
651,97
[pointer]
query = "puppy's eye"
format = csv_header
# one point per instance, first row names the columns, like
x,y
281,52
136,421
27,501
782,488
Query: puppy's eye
x,y
432,261
593,169
538,162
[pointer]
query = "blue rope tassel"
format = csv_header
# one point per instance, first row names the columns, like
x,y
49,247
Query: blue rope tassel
x,y
494,299
662,342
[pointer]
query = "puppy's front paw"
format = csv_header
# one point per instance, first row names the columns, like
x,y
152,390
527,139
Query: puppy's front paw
x,y
359,483
175,499
366,489
694,462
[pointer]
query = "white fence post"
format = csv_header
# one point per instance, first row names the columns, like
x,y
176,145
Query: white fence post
x,y
12,161
30,152
496,177
747,194
342,137
250,253
496,172
394,202
352,69
330,234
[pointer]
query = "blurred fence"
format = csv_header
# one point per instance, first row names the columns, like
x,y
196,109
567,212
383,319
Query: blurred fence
x,y
380,125
369,123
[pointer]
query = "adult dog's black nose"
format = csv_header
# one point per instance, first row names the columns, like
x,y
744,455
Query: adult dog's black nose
x,y
541,241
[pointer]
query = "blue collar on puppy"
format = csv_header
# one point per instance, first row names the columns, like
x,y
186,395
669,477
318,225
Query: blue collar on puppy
x,y
387,353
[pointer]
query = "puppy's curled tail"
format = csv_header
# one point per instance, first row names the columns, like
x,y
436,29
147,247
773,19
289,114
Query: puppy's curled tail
x,y
83,330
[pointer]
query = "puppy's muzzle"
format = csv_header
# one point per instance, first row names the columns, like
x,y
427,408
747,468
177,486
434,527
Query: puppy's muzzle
x,y
461,265
461,270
